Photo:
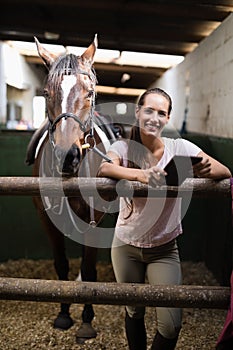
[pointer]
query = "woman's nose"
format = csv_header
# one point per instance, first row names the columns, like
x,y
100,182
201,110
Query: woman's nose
x,y
155,116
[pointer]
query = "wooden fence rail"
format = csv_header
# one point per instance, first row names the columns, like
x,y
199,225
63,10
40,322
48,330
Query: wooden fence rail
x,y
34,186
185,296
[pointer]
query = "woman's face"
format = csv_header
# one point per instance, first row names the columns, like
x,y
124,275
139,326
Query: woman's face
x,y
153,115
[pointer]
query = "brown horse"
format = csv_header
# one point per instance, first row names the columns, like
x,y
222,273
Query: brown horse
x,y
72,145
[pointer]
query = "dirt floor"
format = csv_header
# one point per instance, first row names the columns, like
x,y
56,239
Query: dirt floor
x,y
29,325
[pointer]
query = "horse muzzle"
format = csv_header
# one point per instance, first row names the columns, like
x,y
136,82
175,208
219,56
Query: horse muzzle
x,y
67,162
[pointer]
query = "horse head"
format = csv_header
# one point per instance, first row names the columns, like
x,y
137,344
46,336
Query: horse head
x,y
70,98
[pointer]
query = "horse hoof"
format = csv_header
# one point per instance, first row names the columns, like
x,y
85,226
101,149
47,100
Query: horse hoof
x,y
63,321
85,331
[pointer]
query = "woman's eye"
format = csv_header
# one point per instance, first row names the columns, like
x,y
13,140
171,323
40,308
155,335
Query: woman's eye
x,y
162,114
148,111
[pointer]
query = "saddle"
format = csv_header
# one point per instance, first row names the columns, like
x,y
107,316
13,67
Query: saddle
x,y
101,121
32,146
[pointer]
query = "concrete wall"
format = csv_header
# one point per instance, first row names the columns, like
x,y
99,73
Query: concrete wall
x,y
203,83
21,79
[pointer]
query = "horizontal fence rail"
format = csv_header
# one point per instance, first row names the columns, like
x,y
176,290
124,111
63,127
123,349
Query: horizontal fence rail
x,y
185,296
74,187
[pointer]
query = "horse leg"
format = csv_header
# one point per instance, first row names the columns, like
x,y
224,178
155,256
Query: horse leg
x,y
63,320
61,264
88,274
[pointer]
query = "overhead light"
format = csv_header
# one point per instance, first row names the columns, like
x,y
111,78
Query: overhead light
x,y
29,48
101,55
131,58
118,91
51,36
121,108
144,59
125,77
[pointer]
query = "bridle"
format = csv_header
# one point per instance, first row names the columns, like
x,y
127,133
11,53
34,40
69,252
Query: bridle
x,y
90,142
83,126
65,116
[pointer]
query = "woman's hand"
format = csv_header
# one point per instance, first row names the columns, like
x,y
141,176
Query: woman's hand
x,y
202,169
210,168
154,176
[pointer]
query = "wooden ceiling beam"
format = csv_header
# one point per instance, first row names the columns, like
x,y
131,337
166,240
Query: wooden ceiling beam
x,y
208,10
109,67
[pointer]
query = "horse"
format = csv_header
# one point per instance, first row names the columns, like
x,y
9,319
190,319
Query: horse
x,y
70,143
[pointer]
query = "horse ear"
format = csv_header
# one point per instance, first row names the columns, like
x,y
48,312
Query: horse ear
x,y
46,56
88,55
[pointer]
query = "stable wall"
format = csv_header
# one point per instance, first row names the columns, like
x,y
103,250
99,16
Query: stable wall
x,y
208,222
203,85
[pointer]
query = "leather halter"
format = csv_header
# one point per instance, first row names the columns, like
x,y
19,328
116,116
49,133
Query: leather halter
x,y
67,115
53,124
83,127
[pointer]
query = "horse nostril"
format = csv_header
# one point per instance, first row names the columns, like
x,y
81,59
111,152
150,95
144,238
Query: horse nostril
x,y
76,153
72,160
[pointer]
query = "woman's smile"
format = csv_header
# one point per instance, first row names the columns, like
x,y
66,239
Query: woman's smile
x,y
150,126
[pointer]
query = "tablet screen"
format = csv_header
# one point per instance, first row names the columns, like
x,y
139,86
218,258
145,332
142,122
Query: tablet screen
x,y
179,168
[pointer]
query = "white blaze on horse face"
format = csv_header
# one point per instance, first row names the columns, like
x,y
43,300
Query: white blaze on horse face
x,y
67,83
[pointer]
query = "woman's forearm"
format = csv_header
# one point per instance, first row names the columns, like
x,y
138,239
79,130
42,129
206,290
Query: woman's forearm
x,y
211,168
119,172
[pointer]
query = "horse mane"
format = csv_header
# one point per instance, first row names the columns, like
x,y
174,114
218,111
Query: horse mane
x,y
68,64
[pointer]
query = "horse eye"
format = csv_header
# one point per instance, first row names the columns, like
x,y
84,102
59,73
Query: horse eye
x,y
90,93
46,93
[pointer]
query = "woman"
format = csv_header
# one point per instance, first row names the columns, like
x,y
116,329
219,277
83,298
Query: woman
x,y
145,236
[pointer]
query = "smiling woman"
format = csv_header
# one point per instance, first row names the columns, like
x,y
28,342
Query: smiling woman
x,y
145,241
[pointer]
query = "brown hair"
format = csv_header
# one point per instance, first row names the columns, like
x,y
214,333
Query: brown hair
x,y
157,91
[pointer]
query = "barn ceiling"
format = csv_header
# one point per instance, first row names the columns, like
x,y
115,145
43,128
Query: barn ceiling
x,y
155,26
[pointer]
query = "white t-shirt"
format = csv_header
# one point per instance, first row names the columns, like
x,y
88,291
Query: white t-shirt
x,y
153,221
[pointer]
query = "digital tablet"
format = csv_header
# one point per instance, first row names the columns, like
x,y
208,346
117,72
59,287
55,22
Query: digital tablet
x,y
179,168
